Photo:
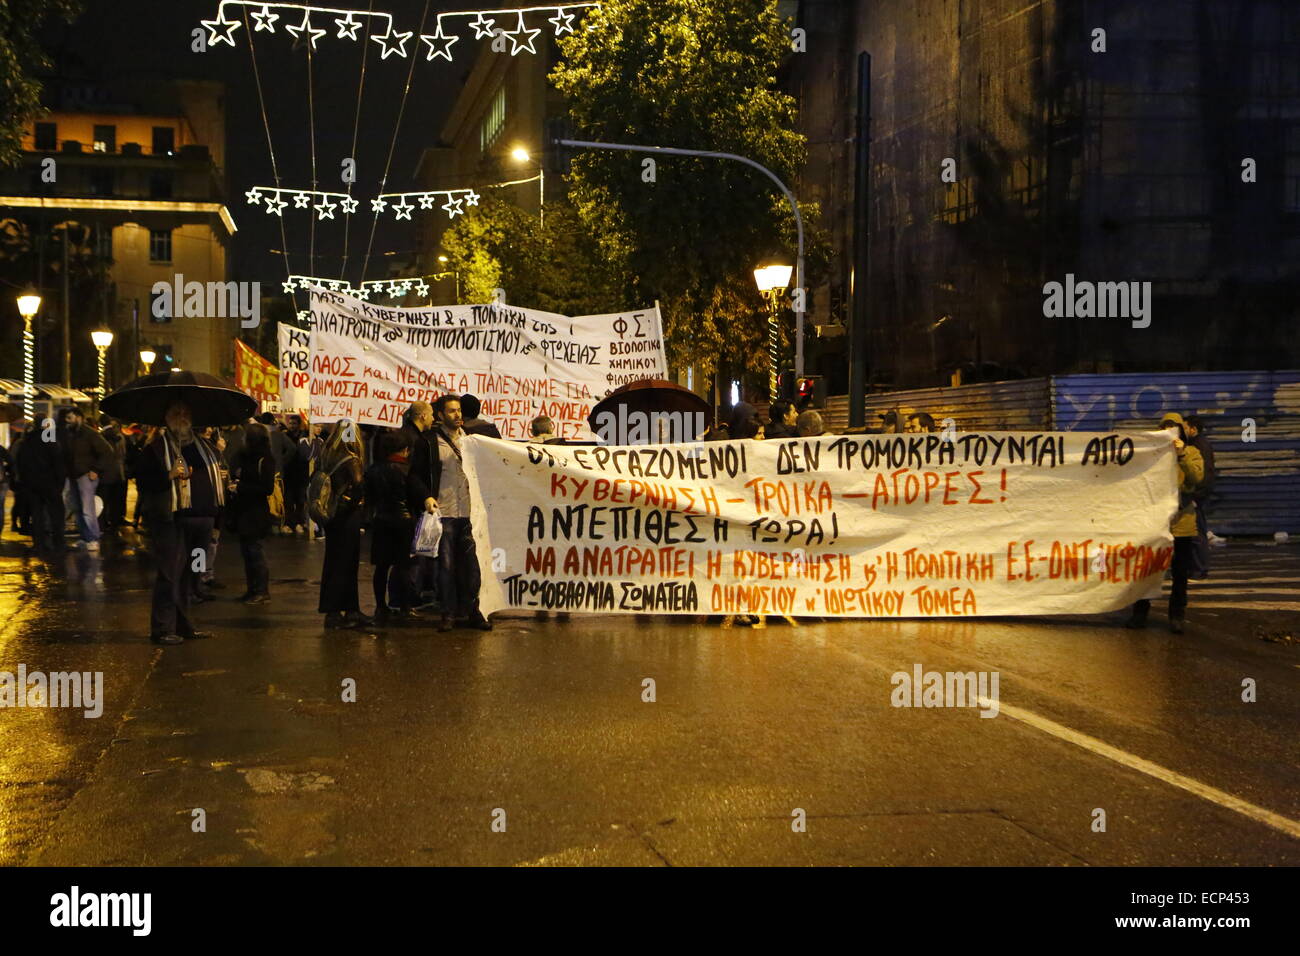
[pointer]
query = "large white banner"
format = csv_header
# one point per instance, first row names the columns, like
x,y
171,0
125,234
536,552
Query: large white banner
x,y
369,363
295,369
997,523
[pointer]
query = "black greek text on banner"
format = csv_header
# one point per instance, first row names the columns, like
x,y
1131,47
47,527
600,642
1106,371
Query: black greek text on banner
x,y
986,524
369,362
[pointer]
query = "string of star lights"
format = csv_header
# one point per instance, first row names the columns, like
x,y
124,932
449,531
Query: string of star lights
x,y
393,41
296,282
397,287
302,199
457,200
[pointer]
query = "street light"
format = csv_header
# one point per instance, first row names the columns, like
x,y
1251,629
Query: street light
x,y
102,338
147,357
29,303
521,155
772,277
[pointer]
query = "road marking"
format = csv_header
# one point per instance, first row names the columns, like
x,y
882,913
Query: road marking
x,y
1204,791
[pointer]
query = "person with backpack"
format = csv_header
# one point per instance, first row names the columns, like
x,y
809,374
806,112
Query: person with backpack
x,y
334,499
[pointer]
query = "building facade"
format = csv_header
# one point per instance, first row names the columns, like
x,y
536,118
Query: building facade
x,y
117,190
1015,144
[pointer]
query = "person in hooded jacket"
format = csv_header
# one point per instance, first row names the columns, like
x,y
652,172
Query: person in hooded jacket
x,y
249,515
1191,472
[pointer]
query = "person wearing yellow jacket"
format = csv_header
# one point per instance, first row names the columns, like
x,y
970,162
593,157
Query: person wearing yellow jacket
x,y
1191,473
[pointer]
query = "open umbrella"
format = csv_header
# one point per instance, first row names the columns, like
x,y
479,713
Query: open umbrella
x,y
650,395
10,412
211,401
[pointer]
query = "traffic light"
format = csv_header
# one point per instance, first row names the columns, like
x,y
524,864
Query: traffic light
x,y
812,392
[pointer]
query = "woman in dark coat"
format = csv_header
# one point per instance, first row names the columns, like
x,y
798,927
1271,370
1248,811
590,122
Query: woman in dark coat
x,y
392,526
343,459
251,515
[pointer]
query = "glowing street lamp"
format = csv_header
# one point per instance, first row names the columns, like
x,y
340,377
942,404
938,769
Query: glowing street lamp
x,y
102,338
29,303
521,155
772,277
147,356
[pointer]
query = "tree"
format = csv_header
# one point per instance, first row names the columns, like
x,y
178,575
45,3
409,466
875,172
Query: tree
x,y
20,57
558,268
698,74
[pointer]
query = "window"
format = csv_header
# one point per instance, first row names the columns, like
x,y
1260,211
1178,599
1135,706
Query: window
x,y
105,139
101,182
160,245
104,242
164,140
47,136
160,185
493,121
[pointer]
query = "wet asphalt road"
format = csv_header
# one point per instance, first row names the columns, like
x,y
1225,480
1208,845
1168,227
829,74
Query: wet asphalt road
x,y
545,721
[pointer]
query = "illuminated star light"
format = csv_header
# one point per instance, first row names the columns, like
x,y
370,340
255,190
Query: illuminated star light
x,y
426,200
453,207
265,20
362,293
301,200
289,286
422,289
517,44
377,205
403,208
563,21
226,34
303,315
471,198
432,41
390,47
482,27
275,205
304,281
313,34
349,205
254,195
348,27
326,208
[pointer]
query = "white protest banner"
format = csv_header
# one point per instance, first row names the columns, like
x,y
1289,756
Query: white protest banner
x,y
295,369
997,523
368,363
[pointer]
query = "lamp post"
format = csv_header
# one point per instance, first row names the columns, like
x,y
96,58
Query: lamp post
x,y
29,303
799,295
443,260
520,155
102,338
772,277
147,355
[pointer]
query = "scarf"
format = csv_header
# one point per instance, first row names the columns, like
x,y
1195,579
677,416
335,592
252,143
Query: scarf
x,y
180,487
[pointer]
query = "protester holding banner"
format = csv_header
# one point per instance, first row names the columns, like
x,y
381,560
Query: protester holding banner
x,y
342,463
459,577
1191,472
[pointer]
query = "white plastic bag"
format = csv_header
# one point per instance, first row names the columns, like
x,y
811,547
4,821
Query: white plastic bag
x,y
428,533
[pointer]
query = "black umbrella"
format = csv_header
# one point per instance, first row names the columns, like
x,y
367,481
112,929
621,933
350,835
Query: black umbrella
x,y
211,401
650,395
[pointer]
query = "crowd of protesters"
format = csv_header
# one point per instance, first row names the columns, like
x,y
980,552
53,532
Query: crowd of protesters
x,y
283,476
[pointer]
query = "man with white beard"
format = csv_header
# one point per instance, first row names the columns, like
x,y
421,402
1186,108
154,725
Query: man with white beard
x,y
181,490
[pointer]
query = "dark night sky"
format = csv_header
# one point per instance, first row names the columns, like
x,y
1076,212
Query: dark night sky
x,y
152,37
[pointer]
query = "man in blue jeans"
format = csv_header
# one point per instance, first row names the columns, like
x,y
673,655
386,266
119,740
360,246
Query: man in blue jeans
x,y
86,455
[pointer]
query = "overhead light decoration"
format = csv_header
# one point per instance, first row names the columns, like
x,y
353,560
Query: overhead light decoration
x,y
296,282
486,24
398,287
457,199
302,199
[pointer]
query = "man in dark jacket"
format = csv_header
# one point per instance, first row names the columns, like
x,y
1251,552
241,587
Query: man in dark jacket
x,y
782,416
42,475
421,480
112,483
180,481
86,457
471,408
